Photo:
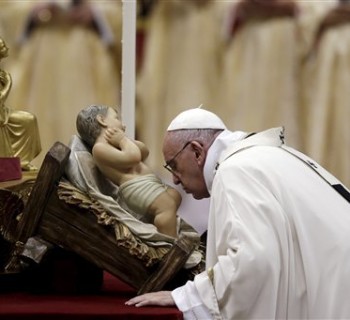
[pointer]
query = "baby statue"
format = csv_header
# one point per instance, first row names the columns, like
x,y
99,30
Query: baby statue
x,y
121,160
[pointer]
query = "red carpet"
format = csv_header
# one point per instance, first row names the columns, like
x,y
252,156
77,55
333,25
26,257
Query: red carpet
x,y
108,304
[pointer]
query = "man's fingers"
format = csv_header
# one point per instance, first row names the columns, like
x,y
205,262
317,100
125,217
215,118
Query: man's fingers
x,y
160,298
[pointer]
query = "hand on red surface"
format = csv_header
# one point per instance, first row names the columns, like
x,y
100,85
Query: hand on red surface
x,y
160,298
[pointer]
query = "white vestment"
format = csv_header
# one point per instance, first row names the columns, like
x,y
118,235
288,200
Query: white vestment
x,y
278,239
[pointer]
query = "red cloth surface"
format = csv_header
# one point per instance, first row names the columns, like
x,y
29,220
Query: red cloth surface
x,y
10,168
108,304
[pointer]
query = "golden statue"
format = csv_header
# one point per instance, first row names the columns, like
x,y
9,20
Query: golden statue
x,y
19,134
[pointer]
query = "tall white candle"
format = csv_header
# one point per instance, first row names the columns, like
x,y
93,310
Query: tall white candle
x,y
128,66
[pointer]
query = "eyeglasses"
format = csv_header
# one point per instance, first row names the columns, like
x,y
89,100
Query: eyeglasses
x,y
170,164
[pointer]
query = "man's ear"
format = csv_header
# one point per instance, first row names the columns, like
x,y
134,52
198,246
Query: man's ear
x,y
199,151
101,120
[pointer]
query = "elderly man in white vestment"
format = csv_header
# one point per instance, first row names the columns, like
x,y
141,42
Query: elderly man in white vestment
x,y
278,242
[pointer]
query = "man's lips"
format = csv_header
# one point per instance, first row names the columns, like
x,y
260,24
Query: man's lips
x,y
185,189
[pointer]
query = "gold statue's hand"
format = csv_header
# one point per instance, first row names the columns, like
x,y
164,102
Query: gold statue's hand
x,y
5,85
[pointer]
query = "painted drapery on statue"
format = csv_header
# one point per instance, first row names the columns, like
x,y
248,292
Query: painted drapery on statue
x,y
19,136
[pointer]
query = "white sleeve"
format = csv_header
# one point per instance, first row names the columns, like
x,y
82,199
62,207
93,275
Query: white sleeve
x,y
188,302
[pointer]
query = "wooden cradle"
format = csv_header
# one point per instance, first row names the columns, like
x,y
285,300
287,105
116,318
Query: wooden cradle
x,y
75,228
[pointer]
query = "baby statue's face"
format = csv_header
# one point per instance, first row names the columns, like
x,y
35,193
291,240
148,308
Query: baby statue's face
x,y
112,120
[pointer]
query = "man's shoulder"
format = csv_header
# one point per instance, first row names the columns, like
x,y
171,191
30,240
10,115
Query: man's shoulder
x,y
269,138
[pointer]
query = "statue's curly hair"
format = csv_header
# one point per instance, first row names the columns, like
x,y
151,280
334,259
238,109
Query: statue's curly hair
x,y
87,125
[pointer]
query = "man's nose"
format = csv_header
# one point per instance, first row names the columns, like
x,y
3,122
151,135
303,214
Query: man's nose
x,y
176,179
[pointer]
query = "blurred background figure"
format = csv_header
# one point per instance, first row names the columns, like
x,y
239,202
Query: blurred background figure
x,y
180,69
266,41
324,87
65,56
181,65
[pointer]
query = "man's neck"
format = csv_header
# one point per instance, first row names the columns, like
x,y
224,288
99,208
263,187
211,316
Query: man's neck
x,y
222,141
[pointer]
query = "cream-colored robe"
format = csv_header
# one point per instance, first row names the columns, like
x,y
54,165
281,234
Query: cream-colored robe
x,y
57,71
261,71
326,80
180,67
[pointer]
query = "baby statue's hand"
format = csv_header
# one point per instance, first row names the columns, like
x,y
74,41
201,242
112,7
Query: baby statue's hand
x,y
114,136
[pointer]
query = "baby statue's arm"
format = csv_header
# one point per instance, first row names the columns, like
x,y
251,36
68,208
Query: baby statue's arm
x,y
119,152
143,148
113,137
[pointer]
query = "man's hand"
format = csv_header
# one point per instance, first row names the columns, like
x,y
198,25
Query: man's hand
x,y
160,298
